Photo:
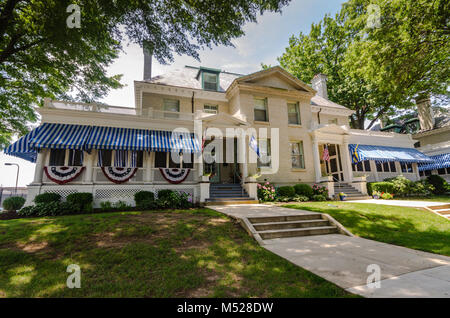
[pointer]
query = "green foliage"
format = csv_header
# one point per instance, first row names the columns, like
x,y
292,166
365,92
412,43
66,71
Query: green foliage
x,y
383,187
120,205
166,193
266,192
369,187
40,56
439,184
303,189
286,191
402,186
83,200
47,197
106,206
168,199
143,196
322,190
300,198
319,197
386,196
50,209
13,203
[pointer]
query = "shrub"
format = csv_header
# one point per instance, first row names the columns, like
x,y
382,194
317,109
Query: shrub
x,y
438,183
286,191
82,200
402,186
148,205
387,196
304,189
106,206
317,189
169,199
28,211
383,187
142,196
13,203
47,197
283,199
319,197
121,205
369,188
164,194
300,198
266,192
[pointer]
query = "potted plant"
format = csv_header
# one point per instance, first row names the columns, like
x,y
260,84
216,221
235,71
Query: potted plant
x,y
375,194
206,176
342,196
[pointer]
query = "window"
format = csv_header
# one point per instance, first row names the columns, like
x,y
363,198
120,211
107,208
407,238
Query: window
x,y
211,109
386,166
166,160
297,156
210,81
293,114
171,106
104,158
264,151
406,167
75,157
137,159
57,157
448,170
261,109
363,166
392,166
441,171
428,173
379,166
421,173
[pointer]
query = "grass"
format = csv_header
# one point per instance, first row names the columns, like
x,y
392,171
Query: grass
x,y
434,198
184,253
409,227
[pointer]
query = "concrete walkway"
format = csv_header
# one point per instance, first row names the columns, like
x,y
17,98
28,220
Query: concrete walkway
x,y
407,203
343,260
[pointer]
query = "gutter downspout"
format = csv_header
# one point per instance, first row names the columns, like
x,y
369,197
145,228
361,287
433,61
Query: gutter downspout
x,y
318,115
192,101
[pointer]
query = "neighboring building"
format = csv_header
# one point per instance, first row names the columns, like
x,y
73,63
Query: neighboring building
x,y
431,129
114,152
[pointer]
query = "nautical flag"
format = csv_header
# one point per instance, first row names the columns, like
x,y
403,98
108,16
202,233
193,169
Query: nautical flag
x,y
355,156
326,154
204,139
254,145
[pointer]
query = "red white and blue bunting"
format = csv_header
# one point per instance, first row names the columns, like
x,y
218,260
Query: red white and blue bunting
x,y
62,174
118,174
174,175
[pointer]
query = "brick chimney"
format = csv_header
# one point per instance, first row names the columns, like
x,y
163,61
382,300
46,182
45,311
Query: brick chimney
x,y
147,65
426,115
319,83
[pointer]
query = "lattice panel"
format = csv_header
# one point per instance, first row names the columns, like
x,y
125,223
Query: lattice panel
x,y
63,192
119,194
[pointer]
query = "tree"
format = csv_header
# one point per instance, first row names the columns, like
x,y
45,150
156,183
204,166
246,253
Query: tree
x,y
406,53
41,56
325,50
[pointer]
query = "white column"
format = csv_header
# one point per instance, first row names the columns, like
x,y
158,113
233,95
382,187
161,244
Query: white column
x,y
347,161
416,170
242,156
148,164
373,169
316,158
89,166
39,169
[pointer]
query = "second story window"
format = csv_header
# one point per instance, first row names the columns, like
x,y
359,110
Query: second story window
x,y
211,109
210,81
293,114
261,109
171,107
264,160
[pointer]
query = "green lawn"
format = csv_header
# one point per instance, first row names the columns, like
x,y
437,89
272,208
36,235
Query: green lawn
x,y
409,227
195,253
435,198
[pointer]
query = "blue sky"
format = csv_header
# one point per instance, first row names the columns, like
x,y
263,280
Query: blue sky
x,y
263,42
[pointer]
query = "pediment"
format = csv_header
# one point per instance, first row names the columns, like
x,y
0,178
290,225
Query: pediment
x,y
223,119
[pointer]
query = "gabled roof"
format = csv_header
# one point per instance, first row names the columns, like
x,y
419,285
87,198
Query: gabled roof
x,y
187,77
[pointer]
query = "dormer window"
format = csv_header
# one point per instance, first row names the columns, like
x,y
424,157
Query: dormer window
x,y
210,81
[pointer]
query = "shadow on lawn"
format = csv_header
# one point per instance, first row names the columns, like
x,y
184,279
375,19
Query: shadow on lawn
x,y
146,255
390,228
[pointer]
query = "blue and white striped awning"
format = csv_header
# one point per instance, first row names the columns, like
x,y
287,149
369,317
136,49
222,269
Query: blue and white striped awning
x,y
166,141
385,153
61,136
22,149
439,162
118,139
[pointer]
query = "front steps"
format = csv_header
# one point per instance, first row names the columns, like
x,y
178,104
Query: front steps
x,y
292,226
352,193
228,193
442,210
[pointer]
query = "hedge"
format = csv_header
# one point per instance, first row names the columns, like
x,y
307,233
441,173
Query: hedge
x,y
382,187
304,189
286,191
47,197
13,203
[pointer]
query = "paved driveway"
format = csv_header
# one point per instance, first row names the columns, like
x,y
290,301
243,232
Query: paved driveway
x,y
344,260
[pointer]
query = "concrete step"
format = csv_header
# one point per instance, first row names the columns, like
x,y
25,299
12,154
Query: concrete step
x,y
443,212
224,202
290,225
298,232
440,207
284,218
360,197
228,198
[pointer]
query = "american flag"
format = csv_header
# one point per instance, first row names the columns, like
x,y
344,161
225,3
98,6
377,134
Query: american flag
x,y
326,154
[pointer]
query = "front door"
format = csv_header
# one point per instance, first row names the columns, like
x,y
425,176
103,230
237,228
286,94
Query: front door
x,y
334,165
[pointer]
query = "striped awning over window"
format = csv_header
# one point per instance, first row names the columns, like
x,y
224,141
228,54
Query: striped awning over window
x,y
22,149
385,153
167,141
439,162
61,136
115,138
